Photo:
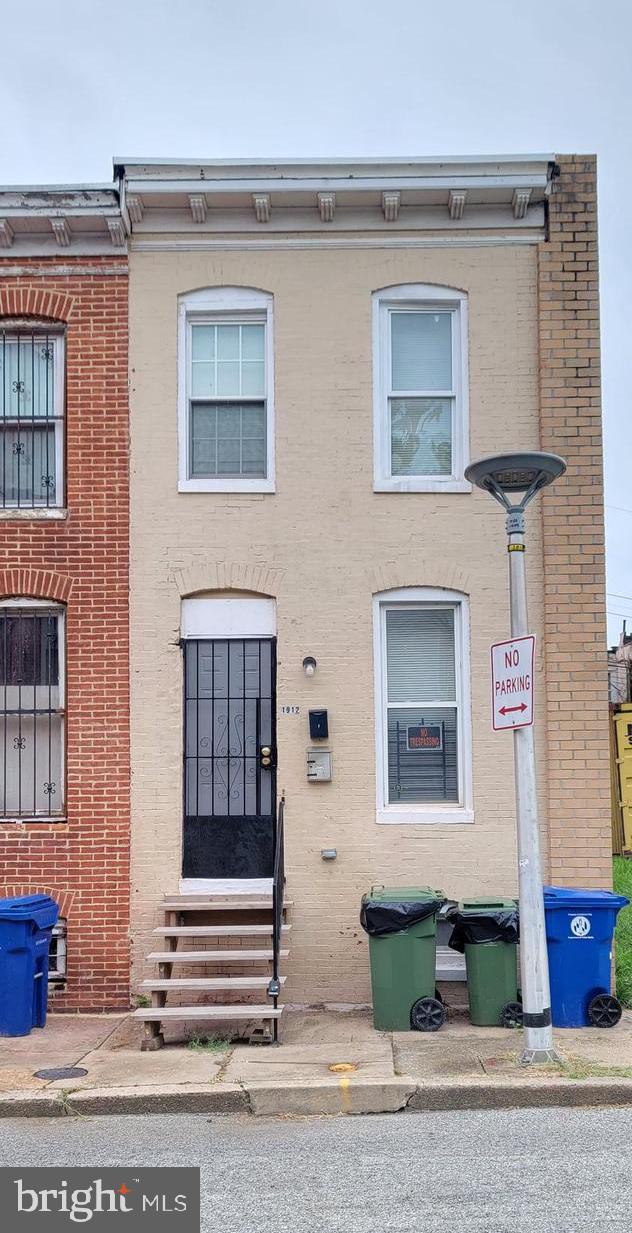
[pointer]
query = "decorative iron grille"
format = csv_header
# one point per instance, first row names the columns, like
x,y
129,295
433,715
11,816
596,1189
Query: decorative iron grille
x,y
31,420
229,720
31,713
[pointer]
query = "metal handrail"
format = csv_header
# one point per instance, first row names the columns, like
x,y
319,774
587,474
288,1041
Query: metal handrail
x,y
278,895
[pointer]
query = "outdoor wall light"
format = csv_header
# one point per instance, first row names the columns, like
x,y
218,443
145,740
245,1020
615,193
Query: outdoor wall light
x,y
505,477
309,665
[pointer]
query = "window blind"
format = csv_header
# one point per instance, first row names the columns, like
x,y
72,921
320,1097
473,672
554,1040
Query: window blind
x,y
420,665
421,351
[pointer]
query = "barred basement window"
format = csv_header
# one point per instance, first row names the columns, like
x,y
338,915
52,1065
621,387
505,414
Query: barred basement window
x,y
57,956
32,417
31,710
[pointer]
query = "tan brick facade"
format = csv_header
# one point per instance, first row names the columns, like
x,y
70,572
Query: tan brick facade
x,y
81,561
323,545
573,533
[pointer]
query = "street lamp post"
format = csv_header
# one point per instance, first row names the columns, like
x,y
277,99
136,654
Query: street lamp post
x,y
505,477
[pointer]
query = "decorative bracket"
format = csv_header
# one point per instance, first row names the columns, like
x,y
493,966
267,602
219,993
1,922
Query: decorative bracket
x,y
135,207
117,231
456,203
61,231
6,233
197,202
390,206
327,207
520,202
261,206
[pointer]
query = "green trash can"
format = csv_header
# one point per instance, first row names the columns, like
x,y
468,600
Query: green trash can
x,y
401,922
487,931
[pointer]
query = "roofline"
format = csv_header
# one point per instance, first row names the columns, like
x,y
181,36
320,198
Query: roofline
x,y
321,160
110,187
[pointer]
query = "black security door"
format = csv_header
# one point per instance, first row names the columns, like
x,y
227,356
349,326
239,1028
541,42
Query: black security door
x,y
229,757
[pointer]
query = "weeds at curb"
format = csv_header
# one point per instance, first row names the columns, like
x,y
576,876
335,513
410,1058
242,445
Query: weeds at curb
x,y
208,1044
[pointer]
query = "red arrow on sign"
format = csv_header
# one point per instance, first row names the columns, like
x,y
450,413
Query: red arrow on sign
x,y
506,710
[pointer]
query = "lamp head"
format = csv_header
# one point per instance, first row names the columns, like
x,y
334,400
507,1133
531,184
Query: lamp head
x,y
506,475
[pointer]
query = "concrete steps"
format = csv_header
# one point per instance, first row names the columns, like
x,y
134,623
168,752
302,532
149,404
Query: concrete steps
x,y
244,921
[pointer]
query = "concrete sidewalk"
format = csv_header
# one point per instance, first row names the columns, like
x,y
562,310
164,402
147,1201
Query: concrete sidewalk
x,y
329,1063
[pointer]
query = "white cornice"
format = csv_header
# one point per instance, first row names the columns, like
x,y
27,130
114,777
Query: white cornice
x,y
6,233
456,202
386,239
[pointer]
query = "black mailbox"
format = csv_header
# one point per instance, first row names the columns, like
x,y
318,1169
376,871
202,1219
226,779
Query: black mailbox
x,y
318,725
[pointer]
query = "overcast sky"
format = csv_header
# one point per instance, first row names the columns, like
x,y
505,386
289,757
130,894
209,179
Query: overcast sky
x,y
84,80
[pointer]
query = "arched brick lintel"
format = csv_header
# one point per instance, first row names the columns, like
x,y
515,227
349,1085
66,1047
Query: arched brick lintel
x,y
63,898
34,301
35,584
228,576
420,574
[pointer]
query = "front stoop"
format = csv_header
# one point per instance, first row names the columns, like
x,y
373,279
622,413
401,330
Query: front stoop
x,y
224,943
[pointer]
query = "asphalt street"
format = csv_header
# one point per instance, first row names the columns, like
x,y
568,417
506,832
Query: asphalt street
x,y
541,1171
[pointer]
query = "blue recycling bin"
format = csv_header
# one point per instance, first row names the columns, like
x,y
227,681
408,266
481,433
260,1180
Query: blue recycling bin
x,y
579,932
26,926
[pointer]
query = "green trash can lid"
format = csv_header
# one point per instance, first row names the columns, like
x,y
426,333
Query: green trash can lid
x,y
486,903
404,894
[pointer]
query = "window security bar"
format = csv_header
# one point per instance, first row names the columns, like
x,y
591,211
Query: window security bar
x,y
31,418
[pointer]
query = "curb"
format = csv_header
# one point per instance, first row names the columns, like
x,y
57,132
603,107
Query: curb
x,y
316,1100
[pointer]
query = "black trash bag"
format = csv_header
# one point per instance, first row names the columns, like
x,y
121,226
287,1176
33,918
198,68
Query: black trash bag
x,y
472,928
379,918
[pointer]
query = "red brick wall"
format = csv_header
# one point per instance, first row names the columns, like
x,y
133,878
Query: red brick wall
x,y
83,561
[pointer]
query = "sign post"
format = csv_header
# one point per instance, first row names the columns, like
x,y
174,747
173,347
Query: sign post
x,y
513,480
513,687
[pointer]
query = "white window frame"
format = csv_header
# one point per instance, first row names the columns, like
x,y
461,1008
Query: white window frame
x,y
223,306
57,339
60,613
420,297
423,597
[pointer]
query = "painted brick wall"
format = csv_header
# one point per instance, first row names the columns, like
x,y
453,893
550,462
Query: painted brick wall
x,y
573,533
82,560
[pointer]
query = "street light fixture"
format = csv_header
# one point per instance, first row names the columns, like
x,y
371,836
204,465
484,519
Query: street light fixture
x,y
505,477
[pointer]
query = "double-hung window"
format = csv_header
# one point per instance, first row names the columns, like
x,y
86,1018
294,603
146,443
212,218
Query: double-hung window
x,y
422,686
31,710
420,389
226,388
31,417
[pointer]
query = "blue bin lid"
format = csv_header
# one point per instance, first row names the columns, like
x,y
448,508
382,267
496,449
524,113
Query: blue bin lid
x,y
39,908
575,898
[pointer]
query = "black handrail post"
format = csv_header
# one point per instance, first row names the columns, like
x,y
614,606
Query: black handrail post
x,y
278,893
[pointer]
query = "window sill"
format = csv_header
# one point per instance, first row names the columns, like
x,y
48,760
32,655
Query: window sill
x,y
8,514
413,484
227,485
53,820
436,816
